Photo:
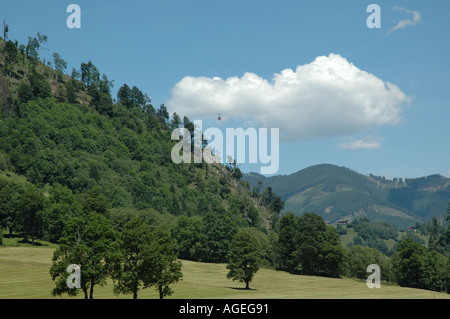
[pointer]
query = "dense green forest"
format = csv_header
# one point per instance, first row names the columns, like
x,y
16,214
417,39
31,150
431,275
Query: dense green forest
x,y
93,174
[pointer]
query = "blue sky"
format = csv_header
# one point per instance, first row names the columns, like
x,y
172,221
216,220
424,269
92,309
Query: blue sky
x,y
156,44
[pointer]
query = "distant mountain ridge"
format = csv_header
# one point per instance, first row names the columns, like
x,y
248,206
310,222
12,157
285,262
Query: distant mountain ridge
x,y
340,193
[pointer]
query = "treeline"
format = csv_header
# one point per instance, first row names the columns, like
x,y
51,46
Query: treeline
x,y
299,245
135,258
137,249
411,262
307,245
411,265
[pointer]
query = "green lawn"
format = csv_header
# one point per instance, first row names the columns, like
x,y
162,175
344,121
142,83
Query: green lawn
x,y
24,273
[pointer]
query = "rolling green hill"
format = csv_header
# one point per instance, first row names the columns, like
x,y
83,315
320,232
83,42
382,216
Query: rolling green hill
x,y
340,193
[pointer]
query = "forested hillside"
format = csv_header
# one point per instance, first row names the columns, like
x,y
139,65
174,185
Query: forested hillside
x,y
69,134
340,193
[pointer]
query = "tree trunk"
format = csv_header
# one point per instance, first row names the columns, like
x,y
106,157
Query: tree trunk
x,y
247,284
85,293
91,290
161,296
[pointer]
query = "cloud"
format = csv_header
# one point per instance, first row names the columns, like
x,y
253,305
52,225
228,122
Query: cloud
x,y
416,17
325,98
370,142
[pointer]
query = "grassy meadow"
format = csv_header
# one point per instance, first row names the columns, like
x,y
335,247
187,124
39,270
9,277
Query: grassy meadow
x,y
24,274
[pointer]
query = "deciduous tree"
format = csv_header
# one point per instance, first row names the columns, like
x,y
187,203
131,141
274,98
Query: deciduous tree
x,y
161,260
90,242
131,272
244,258
31,212
59,64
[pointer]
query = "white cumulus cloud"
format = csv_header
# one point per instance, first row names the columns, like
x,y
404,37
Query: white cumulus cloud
x,y
327,97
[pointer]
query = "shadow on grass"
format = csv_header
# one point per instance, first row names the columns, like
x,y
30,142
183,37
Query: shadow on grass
x,y
27,241
11,236
243,289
